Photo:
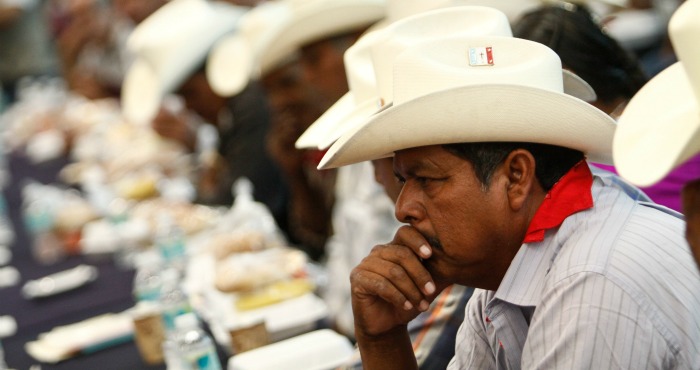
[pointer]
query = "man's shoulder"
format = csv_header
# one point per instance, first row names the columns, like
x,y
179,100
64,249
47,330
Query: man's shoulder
x,y
615,218
639,246
621,235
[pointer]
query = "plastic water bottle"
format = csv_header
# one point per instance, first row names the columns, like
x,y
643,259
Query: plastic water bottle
x,y
196,348
171,355
173,304
45,245
173,300
170,241
147,280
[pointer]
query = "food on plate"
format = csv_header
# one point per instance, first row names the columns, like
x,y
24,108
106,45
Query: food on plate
x,y
274,293
245,272
226,243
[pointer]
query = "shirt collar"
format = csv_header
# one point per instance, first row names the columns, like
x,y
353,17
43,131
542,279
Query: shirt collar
x,y
571,194
523,282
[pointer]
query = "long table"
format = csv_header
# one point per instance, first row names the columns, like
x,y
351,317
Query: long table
x,y
110,292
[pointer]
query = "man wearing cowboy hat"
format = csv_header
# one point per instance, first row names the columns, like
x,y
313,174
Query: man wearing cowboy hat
x,y
497,195
227,133
295,49
363,215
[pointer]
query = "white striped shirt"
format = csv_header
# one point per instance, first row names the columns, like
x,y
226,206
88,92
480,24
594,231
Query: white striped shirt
x,y
614,287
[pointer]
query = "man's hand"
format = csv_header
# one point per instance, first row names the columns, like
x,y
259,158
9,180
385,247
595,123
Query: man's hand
x,y
391,286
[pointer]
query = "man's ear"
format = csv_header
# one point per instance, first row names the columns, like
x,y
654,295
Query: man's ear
x,y
519,169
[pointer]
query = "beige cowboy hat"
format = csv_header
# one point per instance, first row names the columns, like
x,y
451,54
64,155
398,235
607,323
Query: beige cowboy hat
x,y
660,127
477,89
368,66
272,31
168,46
362,99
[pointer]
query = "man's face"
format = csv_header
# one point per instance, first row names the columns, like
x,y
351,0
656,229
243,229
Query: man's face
x,y
200,98
384,175
465,222
691,209
290,99
324,69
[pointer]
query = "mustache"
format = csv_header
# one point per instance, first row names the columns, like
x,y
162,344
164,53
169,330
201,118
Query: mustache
x,y
435,243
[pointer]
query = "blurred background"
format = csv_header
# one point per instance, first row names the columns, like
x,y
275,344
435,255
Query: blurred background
x,y
135,185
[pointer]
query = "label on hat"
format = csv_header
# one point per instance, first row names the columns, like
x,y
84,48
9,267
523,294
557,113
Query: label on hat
x,y
481,56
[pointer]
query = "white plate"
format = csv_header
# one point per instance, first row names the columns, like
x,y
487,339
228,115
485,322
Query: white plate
x,y
318,350
59,282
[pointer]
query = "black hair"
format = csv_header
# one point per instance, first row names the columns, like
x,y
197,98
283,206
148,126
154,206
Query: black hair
x,y
551,161
584,48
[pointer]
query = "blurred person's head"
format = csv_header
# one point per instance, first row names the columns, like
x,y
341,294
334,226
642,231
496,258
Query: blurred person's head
x,y
169,54
322,63
291,101
586,50
199,96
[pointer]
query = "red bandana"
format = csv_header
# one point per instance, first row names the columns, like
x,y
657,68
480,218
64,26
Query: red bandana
x,y
571,194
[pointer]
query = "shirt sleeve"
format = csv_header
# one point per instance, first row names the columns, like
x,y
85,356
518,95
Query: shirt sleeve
x,y
586,321
472,349
433,332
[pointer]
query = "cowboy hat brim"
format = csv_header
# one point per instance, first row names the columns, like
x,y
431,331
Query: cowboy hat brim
x,y
346,114
332,117
659,129
288,30
479,113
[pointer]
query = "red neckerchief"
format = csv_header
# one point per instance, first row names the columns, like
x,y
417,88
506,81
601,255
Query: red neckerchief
x,y
571,194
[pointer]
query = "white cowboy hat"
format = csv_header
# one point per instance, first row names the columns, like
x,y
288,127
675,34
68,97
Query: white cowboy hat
x,y
374,53
362,99
277,29
232,61
477,89
168,46
660,127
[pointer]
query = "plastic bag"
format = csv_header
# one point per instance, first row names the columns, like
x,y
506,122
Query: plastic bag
x,y
247,226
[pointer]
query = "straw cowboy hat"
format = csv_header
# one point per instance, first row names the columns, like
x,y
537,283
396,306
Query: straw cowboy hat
x,y
168,46
275,30
660,127
374,53
477,89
